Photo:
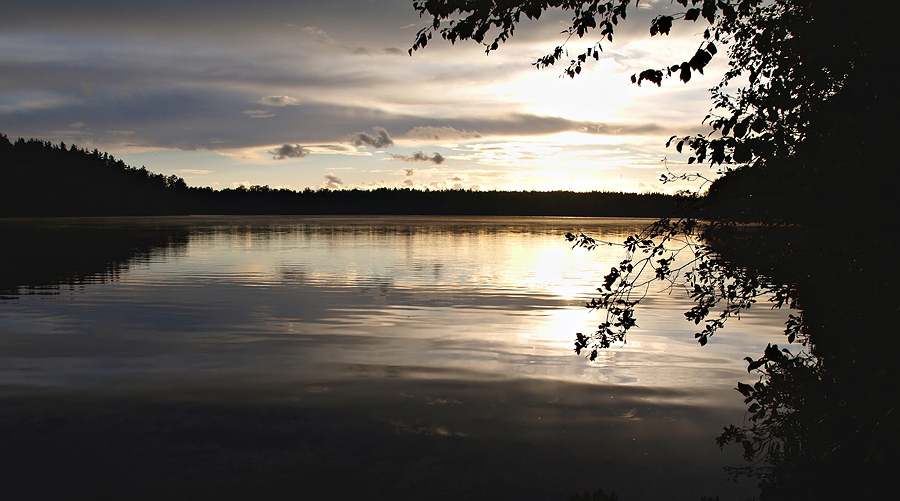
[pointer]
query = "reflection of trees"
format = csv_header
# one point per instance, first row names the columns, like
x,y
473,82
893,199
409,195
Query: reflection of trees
x,y
61,252
801,128
821,420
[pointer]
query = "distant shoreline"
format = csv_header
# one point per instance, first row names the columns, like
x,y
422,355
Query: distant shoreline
x,y
42,179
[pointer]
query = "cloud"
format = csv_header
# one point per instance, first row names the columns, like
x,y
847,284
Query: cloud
x,y
381,139
332,182
279,101
338,148
410,172
289,151
258,113
318,34
419,156
441,133
193,171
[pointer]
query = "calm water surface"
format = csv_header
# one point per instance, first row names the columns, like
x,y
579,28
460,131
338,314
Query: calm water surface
x,y
385,357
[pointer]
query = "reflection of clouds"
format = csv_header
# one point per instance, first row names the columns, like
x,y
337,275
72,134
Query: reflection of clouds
x,y
484,295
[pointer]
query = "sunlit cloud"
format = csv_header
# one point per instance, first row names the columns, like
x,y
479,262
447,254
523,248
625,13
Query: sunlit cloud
x,y
441,133
258,113
332,182
193,171
279,101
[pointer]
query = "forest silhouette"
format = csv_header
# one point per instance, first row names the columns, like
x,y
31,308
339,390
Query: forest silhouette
x,y
45,179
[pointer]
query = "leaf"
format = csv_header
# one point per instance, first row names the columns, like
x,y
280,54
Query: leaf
x,y
740,128
654,76
685,75
752,366
709,10
661,25
692,15
700,60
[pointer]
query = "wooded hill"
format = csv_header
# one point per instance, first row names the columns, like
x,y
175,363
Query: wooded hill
x,y
44,179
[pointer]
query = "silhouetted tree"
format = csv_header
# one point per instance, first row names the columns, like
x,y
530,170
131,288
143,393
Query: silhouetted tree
x,y
800,130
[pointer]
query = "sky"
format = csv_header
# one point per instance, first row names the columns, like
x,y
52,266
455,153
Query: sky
x,y
312,94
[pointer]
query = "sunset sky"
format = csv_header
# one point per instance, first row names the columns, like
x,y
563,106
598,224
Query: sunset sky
x,y
316,94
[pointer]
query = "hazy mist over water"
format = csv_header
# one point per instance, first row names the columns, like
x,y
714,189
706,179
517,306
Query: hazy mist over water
x,y
447,335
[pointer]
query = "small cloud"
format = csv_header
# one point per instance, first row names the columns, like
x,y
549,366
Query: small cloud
x,y
410,172
71,133
332,182
381,139
77,125
394,51
258,113
319,34
289,151
420,156
192,171
409,182
279,100
333,147
121,132
441,133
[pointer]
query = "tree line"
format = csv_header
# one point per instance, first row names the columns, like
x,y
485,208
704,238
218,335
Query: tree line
x,y
46,179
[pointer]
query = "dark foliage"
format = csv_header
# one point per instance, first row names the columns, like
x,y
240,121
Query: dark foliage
x,y
801,216
43,179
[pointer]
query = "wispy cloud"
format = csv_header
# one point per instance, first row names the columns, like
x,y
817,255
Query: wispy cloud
x,y
279,101
441,133
258,113
193,171
318,34
420,156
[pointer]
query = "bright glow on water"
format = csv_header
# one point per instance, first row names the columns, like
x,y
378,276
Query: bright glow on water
x,y
358,312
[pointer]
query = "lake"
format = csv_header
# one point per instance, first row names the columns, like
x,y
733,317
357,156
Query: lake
x,y
378,357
